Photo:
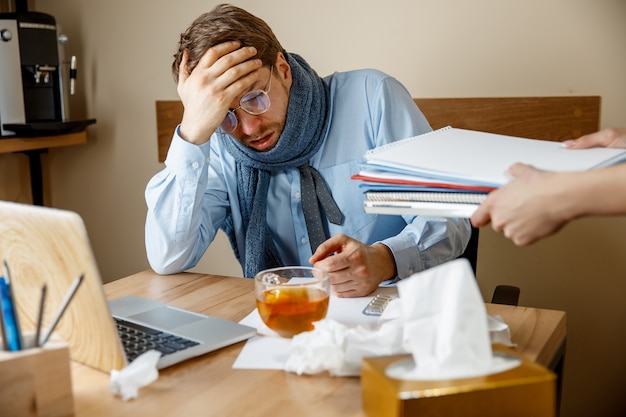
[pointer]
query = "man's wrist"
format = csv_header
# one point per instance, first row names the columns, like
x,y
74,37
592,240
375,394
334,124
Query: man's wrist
x,y
388,268
191,136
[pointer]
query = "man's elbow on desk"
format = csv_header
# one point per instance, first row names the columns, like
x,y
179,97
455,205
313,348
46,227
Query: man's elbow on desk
x,y
167,256
164,270
168,265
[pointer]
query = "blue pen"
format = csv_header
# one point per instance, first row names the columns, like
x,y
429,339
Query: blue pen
x,y
9,317
12,324
3,332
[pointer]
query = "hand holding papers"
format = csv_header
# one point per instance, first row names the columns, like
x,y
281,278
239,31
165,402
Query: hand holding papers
x,y
459,162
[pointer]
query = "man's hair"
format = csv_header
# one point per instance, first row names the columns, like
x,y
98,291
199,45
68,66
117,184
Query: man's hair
x,y
226,23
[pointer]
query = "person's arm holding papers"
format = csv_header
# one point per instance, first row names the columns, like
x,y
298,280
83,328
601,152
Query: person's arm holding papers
x,y
537,204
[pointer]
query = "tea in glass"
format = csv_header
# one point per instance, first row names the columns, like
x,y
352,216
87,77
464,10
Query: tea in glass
x,y
290,306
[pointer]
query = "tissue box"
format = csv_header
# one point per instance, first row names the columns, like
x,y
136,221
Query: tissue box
x,y
36,381
527,390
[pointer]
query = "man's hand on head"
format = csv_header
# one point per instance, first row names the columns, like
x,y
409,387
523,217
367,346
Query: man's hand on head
x,y
225,72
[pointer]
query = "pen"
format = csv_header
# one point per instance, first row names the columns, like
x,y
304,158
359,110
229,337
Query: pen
x,y
9,312
42,303
66,301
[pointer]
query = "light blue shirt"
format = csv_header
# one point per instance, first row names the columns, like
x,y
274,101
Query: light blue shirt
x,y
190,198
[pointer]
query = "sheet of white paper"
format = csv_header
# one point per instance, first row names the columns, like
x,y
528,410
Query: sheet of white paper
x,y
442,154
267,350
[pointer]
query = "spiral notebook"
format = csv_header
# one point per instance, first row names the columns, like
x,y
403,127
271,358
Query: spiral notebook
x,y
438,204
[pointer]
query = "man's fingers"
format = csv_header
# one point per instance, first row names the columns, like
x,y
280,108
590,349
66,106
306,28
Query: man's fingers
x,y
215,53
182,68
327,248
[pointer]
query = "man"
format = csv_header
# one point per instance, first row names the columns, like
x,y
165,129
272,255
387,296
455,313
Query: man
x,y
536,203
263,138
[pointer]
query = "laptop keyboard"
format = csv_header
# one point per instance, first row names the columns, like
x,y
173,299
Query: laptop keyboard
x,y
138,339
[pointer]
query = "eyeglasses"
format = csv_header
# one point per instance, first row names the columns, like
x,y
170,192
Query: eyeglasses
x,y
255,102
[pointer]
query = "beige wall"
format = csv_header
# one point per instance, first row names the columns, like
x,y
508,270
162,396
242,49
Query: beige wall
x,y
441,48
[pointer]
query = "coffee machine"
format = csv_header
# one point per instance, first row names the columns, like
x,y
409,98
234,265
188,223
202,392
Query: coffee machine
x,y
35,79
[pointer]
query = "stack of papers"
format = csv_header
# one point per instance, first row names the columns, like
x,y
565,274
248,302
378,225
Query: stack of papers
x,y
450,171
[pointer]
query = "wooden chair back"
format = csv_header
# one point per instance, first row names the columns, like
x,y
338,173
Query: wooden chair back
x,y
548,118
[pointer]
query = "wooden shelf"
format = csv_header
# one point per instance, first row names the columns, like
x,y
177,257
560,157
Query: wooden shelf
x,y
11,144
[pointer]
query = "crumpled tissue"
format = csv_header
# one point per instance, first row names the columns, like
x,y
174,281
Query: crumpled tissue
x,y
139,373
339,349
439,318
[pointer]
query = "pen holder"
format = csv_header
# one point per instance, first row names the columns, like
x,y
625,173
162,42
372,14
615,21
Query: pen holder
x,y
36,381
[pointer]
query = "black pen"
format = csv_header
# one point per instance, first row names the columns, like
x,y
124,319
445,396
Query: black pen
x,y
66,301
42,303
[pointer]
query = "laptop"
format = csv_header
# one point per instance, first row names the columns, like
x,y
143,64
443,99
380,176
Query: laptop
x,y
48,245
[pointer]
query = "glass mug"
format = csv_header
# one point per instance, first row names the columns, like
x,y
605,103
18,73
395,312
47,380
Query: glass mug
x,y
290,306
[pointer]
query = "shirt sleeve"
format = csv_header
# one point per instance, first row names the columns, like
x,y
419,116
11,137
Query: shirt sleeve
x,y
176,235
426,242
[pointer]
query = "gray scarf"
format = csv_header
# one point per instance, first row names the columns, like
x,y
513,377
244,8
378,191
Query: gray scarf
x,y
305,127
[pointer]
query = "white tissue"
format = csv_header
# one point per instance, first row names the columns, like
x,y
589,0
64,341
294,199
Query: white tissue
x,y
339,349
139,373
445,326
499,331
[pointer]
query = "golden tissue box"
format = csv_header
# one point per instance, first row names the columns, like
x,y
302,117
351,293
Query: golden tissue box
x,y
36,381
526,390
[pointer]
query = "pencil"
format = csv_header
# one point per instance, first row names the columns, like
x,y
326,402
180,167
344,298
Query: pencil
x,y
42,303
66,301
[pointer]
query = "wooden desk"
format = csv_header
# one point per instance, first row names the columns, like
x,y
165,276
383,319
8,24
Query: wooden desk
x,y
209,386
33,147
